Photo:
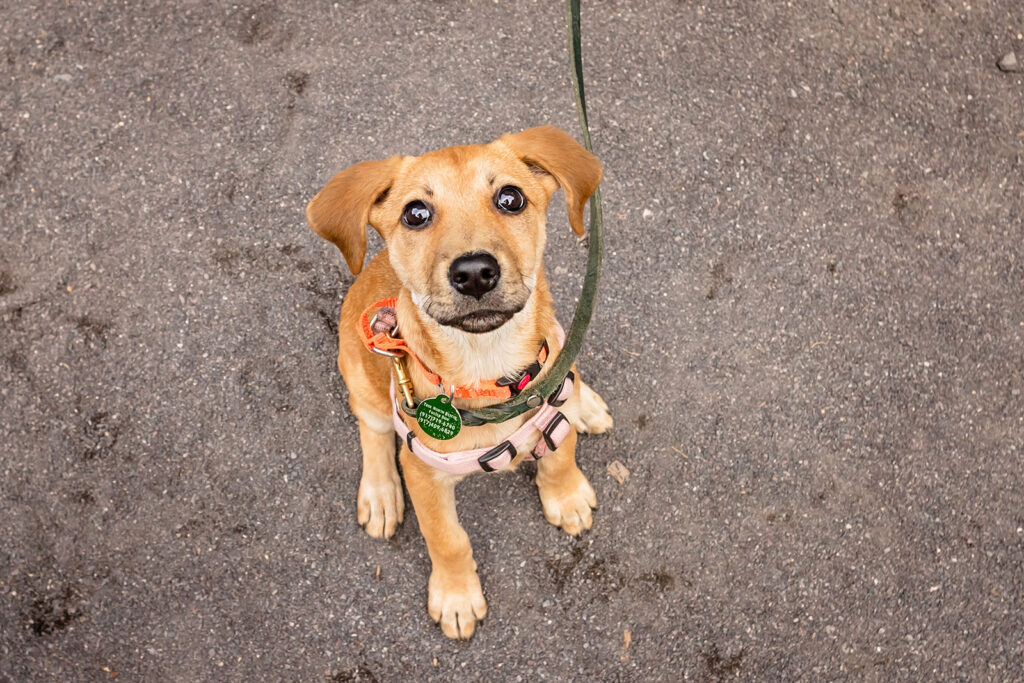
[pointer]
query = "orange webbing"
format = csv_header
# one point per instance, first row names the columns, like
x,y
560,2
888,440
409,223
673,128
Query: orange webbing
x,y
381,340
385,342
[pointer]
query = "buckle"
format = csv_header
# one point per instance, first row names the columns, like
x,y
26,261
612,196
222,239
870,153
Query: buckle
x,y
548,431
408,440
553,398
496,452
518,382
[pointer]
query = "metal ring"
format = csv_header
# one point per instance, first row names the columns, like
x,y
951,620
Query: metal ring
x,y
392,332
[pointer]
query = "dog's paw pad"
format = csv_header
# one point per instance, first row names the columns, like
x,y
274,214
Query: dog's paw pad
x,y
456,602
381,507
570,507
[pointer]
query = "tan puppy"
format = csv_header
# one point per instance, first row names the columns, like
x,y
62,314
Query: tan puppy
x,y
464,229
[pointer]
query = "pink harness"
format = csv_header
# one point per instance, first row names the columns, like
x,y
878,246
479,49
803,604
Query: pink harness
x,y
552,424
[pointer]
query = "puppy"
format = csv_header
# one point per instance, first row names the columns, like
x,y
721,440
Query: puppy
x,y
464,229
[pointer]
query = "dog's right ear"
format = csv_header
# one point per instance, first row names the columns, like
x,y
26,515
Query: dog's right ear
x,y
339,212
553,151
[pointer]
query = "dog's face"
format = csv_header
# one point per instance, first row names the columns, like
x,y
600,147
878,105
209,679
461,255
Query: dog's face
x,y
464,226
465,229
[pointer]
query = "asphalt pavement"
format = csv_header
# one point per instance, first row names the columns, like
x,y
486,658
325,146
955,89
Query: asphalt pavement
x,y
810,332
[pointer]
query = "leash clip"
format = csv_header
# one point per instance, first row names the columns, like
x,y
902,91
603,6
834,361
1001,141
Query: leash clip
x,y
389,329
404,382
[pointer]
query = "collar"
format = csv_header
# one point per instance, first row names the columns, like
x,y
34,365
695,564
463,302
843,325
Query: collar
x,y
379,333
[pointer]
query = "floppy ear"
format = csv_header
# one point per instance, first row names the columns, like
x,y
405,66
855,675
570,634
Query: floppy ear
x,y
577,171
339,212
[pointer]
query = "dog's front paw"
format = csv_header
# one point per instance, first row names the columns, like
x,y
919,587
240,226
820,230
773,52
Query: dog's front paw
x,y
593,416
567,504
456,602
380,505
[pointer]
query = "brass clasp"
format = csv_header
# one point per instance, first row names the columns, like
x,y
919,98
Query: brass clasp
x,y
404,382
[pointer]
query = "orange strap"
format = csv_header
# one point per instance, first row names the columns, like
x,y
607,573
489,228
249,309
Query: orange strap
x,y
382,340
497,388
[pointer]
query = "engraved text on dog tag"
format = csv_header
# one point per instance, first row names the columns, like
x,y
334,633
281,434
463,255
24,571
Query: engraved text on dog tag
x,y
438,417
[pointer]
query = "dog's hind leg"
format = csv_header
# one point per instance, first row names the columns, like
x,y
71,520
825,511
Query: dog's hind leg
x,y
564,491
592,416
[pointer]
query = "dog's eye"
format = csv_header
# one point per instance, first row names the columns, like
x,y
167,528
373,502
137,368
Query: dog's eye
x,y
510,199
416,215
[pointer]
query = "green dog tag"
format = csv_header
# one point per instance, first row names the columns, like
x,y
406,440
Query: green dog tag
x,y
439,418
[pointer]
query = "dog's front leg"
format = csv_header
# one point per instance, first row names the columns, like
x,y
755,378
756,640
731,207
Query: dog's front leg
x,y
565,493
380,504
455,599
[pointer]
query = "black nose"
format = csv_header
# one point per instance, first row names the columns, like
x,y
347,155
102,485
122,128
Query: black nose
x,y
474,274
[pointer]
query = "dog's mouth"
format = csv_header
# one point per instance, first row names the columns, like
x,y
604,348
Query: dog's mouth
x,y
479,322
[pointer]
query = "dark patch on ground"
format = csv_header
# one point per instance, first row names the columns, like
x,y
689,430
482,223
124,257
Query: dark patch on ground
x,y
230,259
243,529
7,285
360,674
904,204
93,329
562,568
720,665
254,25
16,361
599,570
719,278
329,322
772,516
98,436
324,287
660,578
189,528
11,167
53,612
296,81
83,496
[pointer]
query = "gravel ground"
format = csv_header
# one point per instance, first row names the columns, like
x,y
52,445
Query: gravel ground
x,y
810,332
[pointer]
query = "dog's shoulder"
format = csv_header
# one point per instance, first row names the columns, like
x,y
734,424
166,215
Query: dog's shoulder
x,y
377,281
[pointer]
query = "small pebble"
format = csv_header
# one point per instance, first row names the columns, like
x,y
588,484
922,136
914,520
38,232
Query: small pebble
x,y
1009,62
648,214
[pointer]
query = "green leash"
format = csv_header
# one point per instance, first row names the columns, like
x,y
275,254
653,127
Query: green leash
x,y
531,397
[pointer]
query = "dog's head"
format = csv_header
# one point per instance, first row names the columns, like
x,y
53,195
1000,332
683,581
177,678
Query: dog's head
x,y
464,226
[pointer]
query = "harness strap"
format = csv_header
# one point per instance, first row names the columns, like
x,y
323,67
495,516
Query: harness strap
x,y
552,424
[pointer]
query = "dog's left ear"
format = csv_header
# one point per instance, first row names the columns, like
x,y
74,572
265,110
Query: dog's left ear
x,y
577,171
339,212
